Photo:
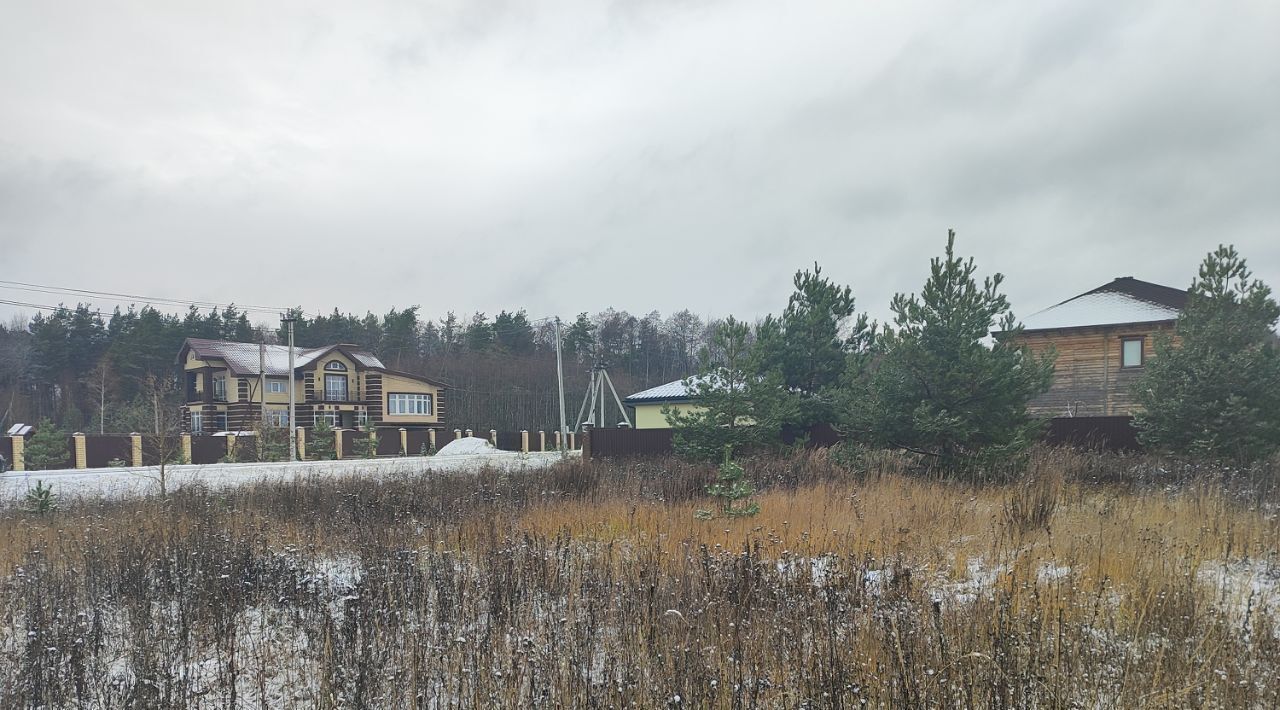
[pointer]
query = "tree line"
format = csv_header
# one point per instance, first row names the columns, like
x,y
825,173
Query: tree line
x,y
87,371
948,381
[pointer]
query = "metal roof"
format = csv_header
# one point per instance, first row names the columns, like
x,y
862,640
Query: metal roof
x,y
669,391
242,358
1124,300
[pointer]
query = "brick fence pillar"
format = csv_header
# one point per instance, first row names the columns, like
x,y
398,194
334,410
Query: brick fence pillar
x,y
493,437
135,449
80,451
469,433
524,440
431,440
337,443
457,433
571,436
231,447
557,440
302,443
186,448
19,443
404,441
542,440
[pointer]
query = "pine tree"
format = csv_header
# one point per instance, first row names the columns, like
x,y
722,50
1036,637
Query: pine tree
x,y
731,486
734,407
1214,388
938,389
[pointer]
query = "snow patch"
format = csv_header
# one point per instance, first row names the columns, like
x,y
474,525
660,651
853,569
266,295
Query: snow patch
x,y
468,446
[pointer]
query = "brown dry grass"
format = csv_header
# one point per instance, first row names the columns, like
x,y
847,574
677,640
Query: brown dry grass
x,y
594,585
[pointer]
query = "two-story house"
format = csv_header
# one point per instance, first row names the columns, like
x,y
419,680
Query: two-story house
x,y
1103,339
227,384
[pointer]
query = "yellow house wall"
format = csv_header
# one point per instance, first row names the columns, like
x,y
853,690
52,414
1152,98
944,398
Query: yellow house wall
x,y
649,416
392,384
354,391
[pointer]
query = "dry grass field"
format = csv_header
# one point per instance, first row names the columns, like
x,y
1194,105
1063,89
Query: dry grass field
x,y
1097,581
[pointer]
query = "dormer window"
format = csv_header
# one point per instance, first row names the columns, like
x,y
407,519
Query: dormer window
x,y
335,366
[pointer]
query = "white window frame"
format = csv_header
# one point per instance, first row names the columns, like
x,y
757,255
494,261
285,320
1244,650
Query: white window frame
x,y
346,387
1124,354
275,387
334,419
410,404
278,418
221,421
197,422
362,417
335,366
220,388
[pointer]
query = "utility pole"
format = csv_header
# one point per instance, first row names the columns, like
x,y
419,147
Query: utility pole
x,y
262,386
288,320
564,434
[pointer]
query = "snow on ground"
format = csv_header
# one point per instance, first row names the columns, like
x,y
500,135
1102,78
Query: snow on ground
x,y
467,446
144,480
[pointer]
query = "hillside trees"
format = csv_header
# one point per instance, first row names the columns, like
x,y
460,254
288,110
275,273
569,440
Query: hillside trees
x,y
1214,388
938,388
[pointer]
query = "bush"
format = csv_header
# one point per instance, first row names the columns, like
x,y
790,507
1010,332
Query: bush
x,y
47,448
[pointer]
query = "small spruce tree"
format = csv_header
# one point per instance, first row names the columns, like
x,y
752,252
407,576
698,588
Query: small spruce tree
x,y
1214,388
47,448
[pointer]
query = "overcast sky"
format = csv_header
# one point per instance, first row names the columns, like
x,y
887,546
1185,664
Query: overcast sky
x,y
569,156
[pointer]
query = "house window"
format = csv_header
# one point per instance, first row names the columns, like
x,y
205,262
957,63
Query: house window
x,y
335,366
275,386
1131,352
335,388
220,419
220,388
330,418
278,418
197,422
362,418
409,404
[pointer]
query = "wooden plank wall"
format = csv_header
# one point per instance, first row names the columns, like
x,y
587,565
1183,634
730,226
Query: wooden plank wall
x,y
1088,380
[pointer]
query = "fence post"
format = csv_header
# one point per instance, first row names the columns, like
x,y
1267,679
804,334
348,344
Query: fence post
x,y
186,447
302,444
542,440
557,439
18,463
404,441
524,441
469,433
231,448
337,443
493,437
587,436
431,440
135,439
571,442
81,453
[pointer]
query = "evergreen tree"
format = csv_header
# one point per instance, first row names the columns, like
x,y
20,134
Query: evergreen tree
x,y
580,338
1214,389
938,388
734,407
479,333
47,448
807,344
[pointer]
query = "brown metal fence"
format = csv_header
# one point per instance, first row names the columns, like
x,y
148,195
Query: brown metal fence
x,y
388,442
609,443
152,445
349,442
101,449
508,441
1111,433
418,441
208,449
6,450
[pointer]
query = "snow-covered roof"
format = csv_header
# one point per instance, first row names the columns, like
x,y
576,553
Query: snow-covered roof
x,y
669,391
242,358
1125,300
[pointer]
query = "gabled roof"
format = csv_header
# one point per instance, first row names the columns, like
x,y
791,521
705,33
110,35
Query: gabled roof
x,y
242,358
1123,301
670,392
